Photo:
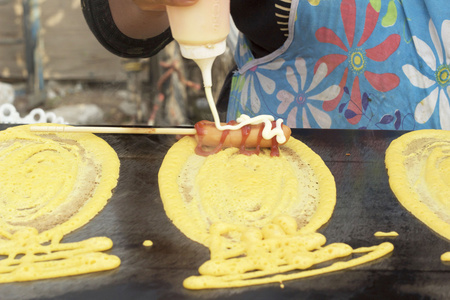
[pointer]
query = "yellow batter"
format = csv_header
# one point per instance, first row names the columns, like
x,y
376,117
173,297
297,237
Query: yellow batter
x,y
385,234
445,257
50,185
266,255
147,243
257,214
418,165
198,191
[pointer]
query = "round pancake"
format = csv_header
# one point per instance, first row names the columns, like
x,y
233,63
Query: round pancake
x,y
229,187
418,165
53,182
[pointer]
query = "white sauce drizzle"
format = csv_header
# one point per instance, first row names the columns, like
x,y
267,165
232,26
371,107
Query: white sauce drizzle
x,y
268,132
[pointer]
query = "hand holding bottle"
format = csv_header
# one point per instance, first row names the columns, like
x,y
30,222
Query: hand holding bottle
x,y
142,19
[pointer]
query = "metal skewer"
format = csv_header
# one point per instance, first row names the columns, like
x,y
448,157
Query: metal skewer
x,y
119,130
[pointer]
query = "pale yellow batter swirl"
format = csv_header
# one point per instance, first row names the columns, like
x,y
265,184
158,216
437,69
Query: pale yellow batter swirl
x,y
233,188
50,185
418,165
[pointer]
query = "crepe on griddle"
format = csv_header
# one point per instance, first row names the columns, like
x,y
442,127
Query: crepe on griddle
x,y
233,188
418,165
50,185
54,179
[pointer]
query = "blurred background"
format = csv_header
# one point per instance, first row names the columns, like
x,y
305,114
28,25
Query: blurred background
x,y
52,69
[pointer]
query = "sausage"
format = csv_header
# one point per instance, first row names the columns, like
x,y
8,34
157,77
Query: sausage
x,y
249,136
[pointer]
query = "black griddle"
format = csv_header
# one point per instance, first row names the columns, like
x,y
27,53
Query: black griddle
x,y
365,204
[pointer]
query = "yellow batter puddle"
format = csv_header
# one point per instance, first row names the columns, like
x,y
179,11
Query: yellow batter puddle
x,y
147,243
50,185
418,165
273,255
385,234
257,214
445,257
28,259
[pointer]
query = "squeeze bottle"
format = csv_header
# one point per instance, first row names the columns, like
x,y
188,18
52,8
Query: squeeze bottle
x,y
201,31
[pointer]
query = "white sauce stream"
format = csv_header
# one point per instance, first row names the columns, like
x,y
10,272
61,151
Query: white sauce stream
x,y
268,132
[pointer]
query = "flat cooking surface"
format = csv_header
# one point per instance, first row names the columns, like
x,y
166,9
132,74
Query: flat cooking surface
x,y
365,204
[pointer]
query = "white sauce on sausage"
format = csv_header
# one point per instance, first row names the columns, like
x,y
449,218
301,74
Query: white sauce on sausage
x,y
268,133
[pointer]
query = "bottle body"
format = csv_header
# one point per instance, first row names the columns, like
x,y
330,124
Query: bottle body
x,y
206,22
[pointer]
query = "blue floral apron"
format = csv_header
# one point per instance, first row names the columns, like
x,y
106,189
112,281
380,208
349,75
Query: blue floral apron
x,y
352,64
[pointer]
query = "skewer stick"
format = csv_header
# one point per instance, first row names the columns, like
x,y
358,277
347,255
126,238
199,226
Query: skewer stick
x,y
120,130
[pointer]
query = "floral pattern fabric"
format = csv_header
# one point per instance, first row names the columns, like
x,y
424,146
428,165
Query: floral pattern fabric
x,y
352,64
